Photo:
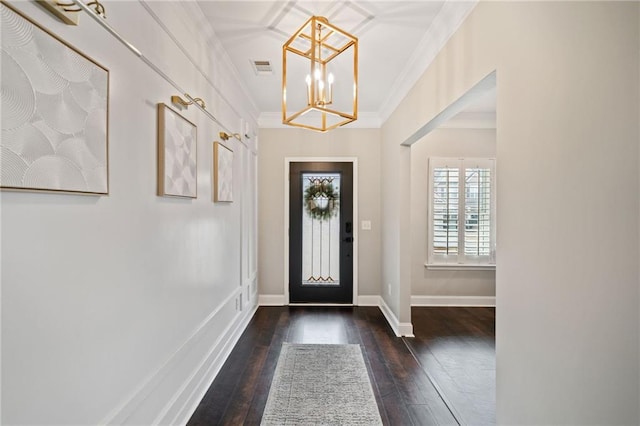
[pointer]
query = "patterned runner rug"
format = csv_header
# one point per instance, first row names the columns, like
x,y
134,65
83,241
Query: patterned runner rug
x,y
321,385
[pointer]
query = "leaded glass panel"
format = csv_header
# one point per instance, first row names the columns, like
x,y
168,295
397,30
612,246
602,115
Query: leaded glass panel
x,y
321,229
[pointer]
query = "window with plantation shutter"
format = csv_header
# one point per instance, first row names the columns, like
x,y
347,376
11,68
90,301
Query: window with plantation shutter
x,y
461,213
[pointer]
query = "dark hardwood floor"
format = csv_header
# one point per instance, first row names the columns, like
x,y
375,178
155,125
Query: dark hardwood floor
x,y
441,377
456,348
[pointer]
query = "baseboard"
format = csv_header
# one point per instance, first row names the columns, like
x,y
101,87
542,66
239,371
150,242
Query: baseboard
x,y
405,329
271,300
460,301
338,305
401,329
279,300
368,300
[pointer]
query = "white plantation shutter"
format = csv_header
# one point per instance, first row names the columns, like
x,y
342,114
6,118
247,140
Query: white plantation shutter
x,y
445,193
461,211
479,210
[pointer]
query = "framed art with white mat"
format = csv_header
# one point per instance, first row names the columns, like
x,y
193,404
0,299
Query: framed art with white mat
x,y
177,154
222,173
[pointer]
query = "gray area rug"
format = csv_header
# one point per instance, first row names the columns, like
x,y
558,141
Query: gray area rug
x,y
321,385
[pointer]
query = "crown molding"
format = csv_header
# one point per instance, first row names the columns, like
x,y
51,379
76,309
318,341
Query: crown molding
x,y
366,120
449,19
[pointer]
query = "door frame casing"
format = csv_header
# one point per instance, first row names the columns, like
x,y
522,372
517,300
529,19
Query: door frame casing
x,y
287,166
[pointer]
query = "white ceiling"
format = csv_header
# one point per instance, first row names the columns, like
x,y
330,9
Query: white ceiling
x,y
397,41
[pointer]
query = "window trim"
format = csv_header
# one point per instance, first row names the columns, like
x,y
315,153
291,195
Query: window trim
x,y
460,266
458,261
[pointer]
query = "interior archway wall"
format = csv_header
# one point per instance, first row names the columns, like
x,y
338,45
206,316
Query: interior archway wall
x,y
567,148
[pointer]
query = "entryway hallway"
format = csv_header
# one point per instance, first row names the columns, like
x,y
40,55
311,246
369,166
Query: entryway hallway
x,y
443,376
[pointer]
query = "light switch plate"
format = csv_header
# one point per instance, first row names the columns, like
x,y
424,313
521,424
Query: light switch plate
x,y
366,225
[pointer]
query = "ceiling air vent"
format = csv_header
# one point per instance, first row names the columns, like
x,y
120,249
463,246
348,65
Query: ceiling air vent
x,y
262,67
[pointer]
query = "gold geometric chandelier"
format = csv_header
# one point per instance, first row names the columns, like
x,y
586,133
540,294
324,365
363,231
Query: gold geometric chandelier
x,y
320,63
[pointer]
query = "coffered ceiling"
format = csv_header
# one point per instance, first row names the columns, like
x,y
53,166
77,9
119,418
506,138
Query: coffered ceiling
x,y
397,41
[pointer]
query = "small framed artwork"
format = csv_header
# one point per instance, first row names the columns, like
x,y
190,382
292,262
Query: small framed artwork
x,y
177,154
55,112
222,173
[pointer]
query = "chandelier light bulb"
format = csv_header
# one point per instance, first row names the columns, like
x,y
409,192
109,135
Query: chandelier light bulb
x,y
308,81
330,81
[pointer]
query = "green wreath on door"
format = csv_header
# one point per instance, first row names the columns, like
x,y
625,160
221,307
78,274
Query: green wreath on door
x,y
321,199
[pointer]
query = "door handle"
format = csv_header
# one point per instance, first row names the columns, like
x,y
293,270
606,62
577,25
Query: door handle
x,y
348,240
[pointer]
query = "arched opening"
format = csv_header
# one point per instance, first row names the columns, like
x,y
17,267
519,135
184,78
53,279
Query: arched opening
x,y
453,267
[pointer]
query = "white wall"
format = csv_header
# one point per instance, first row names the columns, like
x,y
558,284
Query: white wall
x,y
567,289
276,145
396,225
465,286
120,309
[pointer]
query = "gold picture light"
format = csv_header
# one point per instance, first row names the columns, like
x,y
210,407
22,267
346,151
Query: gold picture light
x,y
97,6
226,136
66,11
178,101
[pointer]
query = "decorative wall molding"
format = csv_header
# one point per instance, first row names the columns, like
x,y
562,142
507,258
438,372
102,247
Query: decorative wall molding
x,y
124,412
251,286
461,301
171,371
201,379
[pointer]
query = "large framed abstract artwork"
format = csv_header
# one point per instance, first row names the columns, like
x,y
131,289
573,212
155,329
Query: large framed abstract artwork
x,y
177,154
222,173
55,112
